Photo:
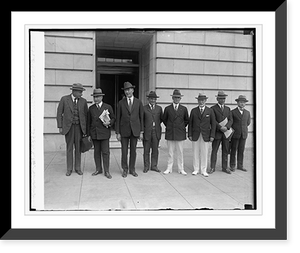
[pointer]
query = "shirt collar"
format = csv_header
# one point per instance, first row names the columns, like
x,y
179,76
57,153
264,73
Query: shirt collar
x,y
72,96
130,99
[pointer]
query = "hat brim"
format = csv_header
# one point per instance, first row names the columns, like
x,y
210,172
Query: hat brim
x,y
201,98
97,95
176,96
128,87
245,100
81,89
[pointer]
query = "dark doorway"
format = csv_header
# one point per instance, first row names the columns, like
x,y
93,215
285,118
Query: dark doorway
x,y
112,84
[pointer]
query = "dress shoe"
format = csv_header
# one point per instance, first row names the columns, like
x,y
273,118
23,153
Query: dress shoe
x,y
133,173
124,174
155,169
68,173
195,172
182,172
79,172
232,169
146,170
167,172
107,175
96,173
204,174
242,169
212,170
226,171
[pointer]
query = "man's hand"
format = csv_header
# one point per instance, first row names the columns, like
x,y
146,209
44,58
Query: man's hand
x,y
190,138
141,137
118,137
106,123
60,130
223,129
211,139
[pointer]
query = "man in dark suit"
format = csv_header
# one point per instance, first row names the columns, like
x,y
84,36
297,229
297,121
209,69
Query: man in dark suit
x,y
129,127
241,120
153,116
201,131
100,120
175,118
71,120
222,112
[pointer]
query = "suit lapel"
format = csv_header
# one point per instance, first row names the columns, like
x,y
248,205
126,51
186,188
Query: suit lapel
x,y
125,101
133,103
70,102
244,115
238,113
97,111
199,113
204,111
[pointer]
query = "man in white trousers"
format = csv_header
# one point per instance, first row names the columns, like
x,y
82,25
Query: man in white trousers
x,y
201,131
175,118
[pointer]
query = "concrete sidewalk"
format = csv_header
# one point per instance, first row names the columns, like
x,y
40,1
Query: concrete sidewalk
x,y
148,191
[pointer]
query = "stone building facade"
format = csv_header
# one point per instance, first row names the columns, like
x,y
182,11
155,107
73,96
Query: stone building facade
x,y
160,60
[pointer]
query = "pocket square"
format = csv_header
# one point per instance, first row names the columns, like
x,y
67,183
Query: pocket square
x,y
207,115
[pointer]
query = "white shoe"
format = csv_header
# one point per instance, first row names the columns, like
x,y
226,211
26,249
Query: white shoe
x,y
204,174
195,172
182,172
167,172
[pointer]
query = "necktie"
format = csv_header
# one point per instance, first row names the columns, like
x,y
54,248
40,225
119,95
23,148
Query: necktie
x,y
129,104
98,106
222,108
201,110
176,106
75,100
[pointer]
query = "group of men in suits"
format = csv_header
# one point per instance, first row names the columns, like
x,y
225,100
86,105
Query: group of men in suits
x,y
134,122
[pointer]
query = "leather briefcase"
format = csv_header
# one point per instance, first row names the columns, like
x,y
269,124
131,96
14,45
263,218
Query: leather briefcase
x,y
86,144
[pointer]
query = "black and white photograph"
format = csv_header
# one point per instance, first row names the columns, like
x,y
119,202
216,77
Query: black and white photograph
x,y
179,127
149,125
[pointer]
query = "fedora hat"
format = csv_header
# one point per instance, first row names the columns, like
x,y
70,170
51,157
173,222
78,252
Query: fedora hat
x,y
152,94
241,98
128,85
176,93
221,94
77,86
201,96
97,92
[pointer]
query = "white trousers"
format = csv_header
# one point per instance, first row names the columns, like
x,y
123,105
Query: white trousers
x,y
200,150
172,145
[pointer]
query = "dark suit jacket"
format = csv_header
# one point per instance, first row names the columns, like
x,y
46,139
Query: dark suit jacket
x,y
95,127
220,116
175,122
127,121
240,123
65,113
155,115
205,124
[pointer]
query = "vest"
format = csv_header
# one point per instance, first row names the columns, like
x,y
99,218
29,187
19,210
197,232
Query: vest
x,y
75,113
